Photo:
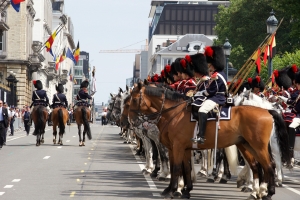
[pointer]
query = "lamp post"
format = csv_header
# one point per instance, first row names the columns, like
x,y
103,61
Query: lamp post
x,y
227,51
271,27
12,81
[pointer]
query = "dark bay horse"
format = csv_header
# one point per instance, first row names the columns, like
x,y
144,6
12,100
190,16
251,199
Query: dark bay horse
x,y
39,117
60,117
250,129
82,114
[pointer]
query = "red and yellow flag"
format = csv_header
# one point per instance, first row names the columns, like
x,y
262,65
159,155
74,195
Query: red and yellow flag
x,y
50,41
77,52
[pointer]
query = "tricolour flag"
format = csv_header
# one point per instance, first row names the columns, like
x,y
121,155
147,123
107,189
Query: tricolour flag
x,y
272,47
70,55
50,41
77,52
257,62
63,56
16,4
57,62
94,88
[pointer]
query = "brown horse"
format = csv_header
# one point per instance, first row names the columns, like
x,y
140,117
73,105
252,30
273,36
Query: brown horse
x,y
39,116
249,128
60,117
82,114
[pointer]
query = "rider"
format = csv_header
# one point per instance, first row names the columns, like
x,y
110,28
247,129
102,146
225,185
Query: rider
x,y
82,96
177,74
216,90
58,100
39,97
187,75
258,86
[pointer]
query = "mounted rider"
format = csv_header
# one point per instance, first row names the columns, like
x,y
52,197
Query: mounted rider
x,y
83,96
216,91
177,74
59,100
257,86
39,97
187,75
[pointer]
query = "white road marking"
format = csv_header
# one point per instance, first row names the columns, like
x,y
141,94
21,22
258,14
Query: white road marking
x,y
142,166
1,193
8,186
68,141
15,137
59,147
156,194
16,180
74,136
46,157
290,178
291,189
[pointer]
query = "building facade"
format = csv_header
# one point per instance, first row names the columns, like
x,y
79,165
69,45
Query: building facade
x,y
81,71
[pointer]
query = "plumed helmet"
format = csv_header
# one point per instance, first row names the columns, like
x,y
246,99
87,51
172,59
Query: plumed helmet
x,y
258,83
37,84
297,77
168,73
215,56
282,79
292,70
84,84
60,88
200,64
186,66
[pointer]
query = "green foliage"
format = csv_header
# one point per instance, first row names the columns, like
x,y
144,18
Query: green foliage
x,y
244,24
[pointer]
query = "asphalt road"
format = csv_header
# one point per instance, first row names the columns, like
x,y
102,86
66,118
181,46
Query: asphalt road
x,y
103,169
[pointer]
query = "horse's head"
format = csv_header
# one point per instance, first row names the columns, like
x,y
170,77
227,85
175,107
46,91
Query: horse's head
x,y
125,109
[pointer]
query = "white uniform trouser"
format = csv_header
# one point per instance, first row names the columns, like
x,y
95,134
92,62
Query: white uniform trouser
x,y
295,123
207,106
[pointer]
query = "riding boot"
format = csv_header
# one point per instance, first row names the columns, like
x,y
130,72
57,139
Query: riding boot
x,y
49,120
202,126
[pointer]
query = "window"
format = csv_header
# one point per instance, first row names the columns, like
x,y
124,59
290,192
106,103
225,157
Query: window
x,y
76,91
79,63
79,81
78,72
1,43
166,61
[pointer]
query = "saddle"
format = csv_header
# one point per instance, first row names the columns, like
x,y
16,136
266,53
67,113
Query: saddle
x,y
225,113
83,104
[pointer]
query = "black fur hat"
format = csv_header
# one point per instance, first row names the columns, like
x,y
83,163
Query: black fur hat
x,y
186,66
215,56
291,71
258,83
60,88
84,84
200,64
177,65
168,73
282,79
37,84
297,77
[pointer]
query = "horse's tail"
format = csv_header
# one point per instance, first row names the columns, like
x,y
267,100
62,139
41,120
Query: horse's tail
x,y
86,123
39,126
61,121
282,135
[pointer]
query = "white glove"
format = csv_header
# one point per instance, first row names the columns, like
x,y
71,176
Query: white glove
x,y
284,99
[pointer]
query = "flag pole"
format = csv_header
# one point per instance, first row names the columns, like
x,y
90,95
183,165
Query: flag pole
x,y
61,26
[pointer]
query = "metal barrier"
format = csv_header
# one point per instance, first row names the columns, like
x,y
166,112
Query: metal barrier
x,y
18,125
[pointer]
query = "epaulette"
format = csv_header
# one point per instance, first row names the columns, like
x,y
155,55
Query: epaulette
x,y
214,76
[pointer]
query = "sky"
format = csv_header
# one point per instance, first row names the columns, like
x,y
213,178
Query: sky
x,y
109,25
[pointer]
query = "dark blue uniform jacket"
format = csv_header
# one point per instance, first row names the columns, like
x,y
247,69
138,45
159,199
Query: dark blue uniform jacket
x,y
217,89
62,101
39,97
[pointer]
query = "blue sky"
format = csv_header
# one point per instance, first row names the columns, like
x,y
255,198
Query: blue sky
x,y
104,25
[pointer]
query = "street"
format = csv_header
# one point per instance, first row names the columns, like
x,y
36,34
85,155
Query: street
x,y
103,169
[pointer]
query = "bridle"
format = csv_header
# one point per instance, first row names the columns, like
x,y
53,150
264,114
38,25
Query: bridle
x,y
156,115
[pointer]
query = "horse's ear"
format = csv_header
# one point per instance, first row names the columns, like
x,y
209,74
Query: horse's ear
x,y
127,88
140,85
146,82
111,95
120,90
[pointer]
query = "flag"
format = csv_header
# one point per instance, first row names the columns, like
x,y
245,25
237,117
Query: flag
x,y
272,47
16,4
266,54
77,52
257,62
75,82
70,74
94,89
50,41
63,56
71,56
57,62
51,52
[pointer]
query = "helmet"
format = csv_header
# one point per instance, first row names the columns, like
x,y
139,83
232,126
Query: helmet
x,y
60,88
84,84
215,56
37,84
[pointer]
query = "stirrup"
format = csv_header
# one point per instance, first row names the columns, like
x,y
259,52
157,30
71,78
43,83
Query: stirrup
x,y
199,140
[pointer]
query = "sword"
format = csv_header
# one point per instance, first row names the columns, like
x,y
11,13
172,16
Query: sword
x,y
214,173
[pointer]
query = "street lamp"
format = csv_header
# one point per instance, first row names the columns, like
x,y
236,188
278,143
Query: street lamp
x,y
227,51
271,27
12,81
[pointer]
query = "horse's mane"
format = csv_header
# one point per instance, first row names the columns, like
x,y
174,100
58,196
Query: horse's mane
x,y
126,99
158,91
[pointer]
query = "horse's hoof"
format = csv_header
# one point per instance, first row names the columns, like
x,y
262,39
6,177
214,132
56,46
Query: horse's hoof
x,y
240,183
210,180
80,145
177,195
61,143
42,141
217,179
37,144
153,174
279,184
161,178
168,180
251,197
186,195
266,198
201,174
83,144
246,189
223,180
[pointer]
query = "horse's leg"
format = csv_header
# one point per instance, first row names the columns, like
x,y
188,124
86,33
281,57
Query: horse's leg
x,y
187,171
165,171
54,133
215,170
79,134
168,189
203,164
38,136
277,158
83,137
226,170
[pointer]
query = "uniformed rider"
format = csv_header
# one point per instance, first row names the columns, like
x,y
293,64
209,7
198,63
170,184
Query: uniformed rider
x,y
216,90
82,96
59,100
39,97
258,86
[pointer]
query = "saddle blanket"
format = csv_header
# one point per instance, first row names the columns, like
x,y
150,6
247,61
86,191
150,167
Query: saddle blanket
x,y
225,114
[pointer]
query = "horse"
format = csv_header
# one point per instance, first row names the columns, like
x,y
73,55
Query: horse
x,y
82,114
60,117
250,134
39,116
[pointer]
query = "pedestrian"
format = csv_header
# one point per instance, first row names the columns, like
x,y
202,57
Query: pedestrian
x,y
12,120
104,113
8,114
26,117
3,122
